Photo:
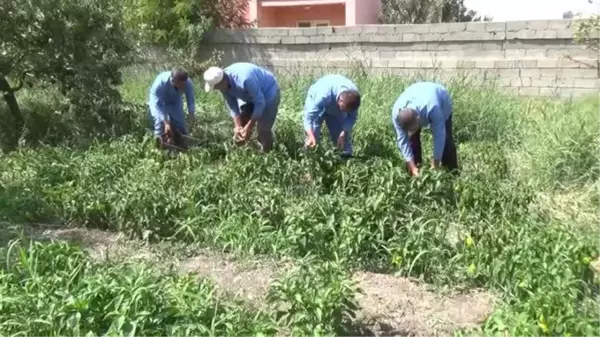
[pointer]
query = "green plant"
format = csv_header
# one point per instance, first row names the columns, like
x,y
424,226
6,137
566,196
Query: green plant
x,y
314,298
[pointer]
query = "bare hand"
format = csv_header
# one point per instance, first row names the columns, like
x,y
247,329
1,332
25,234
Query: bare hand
x,y
311,142
341,140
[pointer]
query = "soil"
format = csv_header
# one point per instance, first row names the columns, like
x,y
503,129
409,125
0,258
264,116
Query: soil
x,y
390,305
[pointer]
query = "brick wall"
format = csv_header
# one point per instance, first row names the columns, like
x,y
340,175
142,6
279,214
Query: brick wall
x,y
527,57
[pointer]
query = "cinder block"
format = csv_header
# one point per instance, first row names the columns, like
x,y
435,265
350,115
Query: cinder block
x,y
434,37
565,34
387,54
337,38
550,92
521,82
354,30
379,63
535,53
546,34
386,29
521,34
486,64
532,73
471,36
586,83
404,54
295,31
579,73
495,27
288,39
536,24
317,39
395,63
546,82
475,27
492,45
577,92
325,30
515,53
513,26
413,28
529,91
411,37
301,39
448,27
515,64
412,63
309,31
549,63
466,64
369,29
384,38
559,24
274,32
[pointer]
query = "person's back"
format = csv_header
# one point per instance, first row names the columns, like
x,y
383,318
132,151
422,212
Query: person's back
x,y
266,80
424,94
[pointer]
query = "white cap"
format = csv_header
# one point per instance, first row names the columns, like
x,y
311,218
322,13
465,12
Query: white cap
x,y
212,76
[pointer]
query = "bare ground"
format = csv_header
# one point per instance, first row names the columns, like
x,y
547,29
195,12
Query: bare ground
x,y
390,305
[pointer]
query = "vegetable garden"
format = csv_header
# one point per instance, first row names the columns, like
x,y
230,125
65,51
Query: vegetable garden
x,y
521,221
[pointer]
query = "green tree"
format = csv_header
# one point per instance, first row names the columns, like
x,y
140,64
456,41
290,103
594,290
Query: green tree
x,y
180,25
427,11
75,46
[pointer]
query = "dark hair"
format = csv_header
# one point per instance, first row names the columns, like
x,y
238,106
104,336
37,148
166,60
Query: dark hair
x,y
351,98
406,118
179,75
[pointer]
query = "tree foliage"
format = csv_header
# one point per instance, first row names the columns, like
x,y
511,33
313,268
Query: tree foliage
x,y
426,11
179,25
75,46
586,31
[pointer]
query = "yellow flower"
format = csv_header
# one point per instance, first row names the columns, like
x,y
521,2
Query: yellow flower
x,y
542,324
469,241
472,269
397,260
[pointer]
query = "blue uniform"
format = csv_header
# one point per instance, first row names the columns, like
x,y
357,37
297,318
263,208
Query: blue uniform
x,y
166,103
321,105
434,106
253,84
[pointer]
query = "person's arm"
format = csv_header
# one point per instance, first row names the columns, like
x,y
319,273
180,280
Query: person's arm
x,y
403,143
234,109
350,121
156,108
438,130
313,106
191,100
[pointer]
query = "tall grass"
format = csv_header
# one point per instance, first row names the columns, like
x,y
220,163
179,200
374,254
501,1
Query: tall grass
x,y
498,225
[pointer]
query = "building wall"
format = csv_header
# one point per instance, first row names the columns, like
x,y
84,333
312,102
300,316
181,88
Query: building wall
x,y
367,11
526,57
288,16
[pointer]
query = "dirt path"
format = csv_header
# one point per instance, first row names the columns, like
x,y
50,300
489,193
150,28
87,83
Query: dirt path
x,y
390,305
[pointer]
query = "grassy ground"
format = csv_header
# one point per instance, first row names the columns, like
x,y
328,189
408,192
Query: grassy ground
x,y
520,221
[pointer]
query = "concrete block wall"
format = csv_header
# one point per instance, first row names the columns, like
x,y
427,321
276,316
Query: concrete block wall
x,y
526,57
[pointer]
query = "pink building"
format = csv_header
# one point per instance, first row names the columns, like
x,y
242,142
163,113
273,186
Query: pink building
x,y
313,13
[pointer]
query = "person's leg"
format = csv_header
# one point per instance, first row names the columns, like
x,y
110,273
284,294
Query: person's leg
x,y
449,156
178,126
266,122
